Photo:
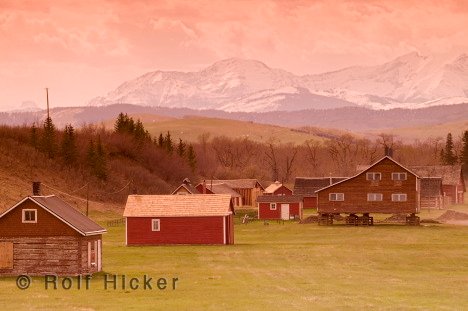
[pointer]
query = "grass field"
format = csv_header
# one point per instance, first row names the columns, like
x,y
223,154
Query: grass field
x,y
278,267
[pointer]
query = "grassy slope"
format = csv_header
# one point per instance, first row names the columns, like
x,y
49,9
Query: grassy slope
x,y
423,132
287,266
190,128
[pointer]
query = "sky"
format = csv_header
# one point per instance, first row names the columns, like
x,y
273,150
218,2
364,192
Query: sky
x,y
83,49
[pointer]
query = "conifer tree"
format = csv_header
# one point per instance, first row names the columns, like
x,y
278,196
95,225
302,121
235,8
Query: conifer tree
x,y
48,144
68,148
34,138
168,143
191,157
161,140
464,152
100,161
449,156
181,148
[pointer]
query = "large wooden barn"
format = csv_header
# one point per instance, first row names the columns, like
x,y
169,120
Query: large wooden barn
x,y
283,207
453,183
249,189
385,187
236,198
44,235
179,219
277,188
306,187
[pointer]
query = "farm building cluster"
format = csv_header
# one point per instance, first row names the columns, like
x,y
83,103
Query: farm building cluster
x,y
44,235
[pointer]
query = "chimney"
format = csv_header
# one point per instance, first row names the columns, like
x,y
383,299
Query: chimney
x,y
36,188
204,186
388,151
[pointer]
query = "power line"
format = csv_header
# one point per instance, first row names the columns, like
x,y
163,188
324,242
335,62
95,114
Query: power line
x,y
65,193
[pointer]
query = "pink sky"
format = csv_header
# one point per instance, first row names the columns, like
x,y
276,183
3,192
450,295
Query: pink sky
x,y
83,49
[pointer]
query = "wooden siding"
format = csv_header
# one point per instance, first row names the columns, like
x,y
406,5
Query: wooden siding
x,y
265,213
50,255
11,224
435,202
310,202
356,189
176,230
249,195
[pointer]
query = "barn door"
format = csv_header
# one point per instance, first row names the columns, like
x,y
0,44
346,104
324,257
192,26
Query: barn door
x,y
6,255
285,211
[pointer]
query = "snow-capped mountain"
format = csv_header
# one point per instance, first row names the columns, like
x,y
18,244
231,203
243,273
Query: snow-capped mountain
x,y
409,81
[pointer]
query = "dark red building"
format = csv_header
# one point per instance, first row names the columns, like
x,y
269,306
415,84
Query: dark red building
x,y
306,187
44,235
284,207
277,188
179,219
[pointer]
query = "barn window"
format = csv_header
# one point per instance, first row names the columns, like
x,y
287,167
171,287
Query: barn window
x,y
155,225
374,197
399,197
373,176
399,176
273,206
336,196
29,216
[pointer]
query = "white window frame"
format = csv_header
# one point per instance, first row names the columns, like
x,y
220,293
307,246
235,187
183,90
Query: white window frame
x,y
373,174
337,197
273,207
156,221
398,197
24,216
374,197
399,174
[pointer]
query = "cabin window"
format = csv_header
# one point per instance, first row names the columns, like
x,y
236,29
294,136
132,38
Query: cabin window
x,y
399,197
399,176
92,246
374,197
273,206
336,196
155,225
373,176
30,216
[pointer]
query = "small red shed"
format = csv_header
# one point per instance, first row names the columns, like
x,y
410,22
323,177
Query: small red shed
x,y
277,188
44,235
279,207
179,219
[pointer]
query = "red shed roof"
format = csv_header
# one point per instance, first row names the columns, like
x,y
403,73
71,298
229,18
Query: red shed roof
x,y
279,199
178,205
65,212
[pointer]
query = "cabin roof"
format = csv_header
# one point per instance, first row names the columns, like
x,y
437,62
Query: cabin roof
x,y
235,183
367,169
273,187
450,174
306,186
178,205
64,212
279,198
222,189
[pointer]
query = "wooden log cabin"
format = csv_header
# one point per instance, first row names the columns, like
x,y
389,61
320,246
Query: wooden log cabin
x,y
385,187
179,219
432,195
453,183
43,235
249,189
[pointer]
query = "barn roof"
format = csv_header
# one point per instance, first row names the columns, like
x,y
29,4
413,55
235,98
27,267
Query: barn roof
x,y
222,189
65,212
368,168
236,183
306,186
431,186
279,199
273,187
178,205
450,174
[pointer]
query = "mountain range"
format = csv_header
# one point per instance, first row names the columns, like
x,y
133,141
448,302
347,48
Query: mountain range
x,y
239,85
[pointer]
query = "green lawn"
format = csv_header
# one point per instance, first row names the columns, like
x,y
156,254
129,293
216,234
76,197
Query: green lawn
x,y
279,267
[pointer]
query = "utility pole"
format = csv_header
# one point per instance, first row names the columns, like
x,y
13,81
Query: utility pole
x,y
47,95
87,199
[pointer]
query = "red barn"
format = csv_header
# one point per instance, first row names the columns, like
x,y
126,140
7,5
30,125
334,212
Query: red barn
x,y
44,235
179,219
279,207
277,188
